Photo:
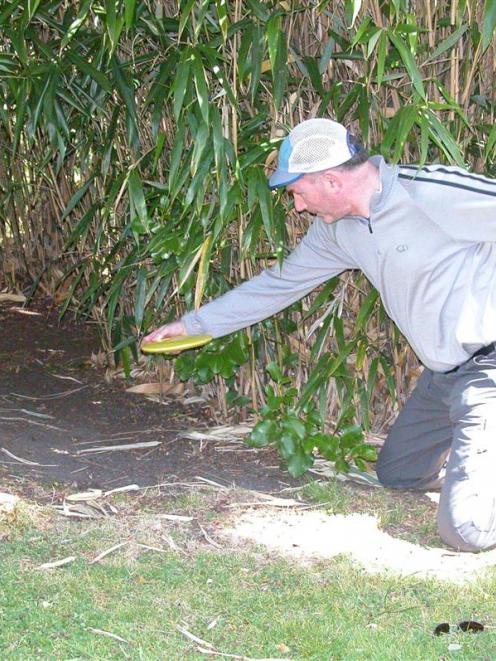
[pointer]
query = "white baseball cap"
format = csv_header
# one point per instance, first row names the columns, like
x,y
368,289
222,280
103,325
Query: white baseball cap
x,y
312,146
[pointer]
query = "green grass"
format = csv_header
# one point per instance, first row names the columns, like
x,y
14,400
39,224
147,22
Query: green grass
x,y
262,606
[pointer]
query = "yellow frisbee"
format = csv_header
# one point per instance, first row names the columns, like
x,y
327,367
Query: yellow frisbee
x,y
176,344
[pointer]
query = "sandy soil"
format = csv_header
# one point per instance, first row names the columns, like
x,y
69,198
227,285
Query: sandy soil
x,y
309,536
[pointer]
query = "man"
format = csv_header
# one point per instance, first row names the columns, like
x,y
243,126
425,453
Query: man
x,y
424,237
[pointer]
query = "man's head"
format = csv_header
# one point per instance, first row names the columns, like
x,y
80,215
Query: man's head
x,y
317,161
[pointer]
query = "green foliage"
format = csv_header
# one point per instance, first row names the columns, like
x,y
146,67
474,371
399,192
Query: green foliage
x,y
136,139
221,357
296,431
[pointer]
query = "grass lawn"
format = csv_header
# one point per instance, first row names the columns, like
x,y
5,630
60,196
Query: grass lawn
x,y
240,600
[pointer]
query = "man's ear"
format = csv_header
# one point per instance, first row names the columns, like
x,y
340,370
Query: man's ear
x,y
333,178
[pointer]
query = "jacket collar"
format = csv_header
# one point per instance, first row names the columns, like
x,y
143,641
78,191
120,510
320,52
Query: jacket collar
x,y
388,176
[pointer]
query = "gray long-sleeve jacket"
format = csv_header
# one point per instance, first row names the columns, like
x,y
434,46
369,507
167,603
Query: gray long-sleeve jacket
x,y
428,248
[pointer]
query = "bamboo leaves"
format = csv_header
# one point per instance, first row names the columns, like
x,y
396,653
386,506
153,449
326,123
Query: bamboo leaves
x,y
259,192
129,13
152,128
88,69
114,22
203,269
8,11
365,310
352,9
398,132
181,82
125,88
200,85
443,138
278,55
221,6
139,306
159,92
381,56
76,23
30,10
77,197
488,23
448,43
138,211
408,61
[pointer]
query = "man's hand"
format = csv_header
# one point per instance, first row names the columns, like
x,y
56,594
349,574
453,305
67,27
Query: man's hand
x,y
174,329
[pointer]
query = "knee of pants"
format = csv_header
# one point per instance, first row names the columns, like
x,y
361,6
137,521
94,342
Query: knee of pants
x,y
465,535
387,472
386,476
391,478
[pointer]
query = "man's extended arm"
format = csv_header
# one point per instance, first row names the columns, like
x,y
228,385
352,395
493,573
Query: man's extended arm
x,y
316,259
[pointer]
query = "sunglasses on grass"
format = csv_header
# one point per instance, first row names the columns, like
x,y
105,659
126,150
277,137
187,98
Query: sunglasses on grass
x,y
467,625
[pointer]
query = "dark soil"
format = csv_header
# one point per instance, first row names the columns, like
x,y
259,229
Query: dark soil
x,y
54,403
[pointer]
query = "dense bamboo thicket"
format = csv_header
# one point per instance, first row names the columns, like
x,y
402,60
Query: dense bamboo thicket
x,y
136,139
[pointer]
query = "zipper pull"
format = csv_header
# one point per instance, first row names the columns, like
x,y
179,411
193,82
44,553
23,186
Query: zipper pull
x,y
370,226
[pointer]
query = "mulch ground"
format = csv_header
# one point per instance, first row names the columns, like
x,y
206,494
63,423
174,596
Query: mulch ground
x,y
54,403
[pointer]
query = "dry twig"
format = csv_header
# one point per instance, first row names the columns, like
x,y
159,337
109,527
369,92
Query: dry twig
x,y
114,636
115,448
107,552
24,461
205,647
208,538
57,563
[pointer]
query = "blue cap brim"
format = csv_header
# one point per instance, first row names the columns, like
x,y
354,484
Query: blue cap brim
x,y
281,178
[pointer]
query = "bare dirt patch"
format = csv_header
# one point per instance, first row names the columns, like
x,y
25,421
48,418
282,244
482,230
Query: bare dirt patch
x,y
54,405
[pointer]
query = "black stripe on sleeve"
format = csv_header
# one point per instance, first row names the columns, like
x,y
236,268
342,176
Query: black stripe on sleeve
x,y
462,175
447,183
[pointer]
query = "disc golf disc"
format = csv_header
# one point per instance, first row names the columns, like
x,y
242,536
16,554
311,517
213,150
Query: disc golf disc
x,y
176,344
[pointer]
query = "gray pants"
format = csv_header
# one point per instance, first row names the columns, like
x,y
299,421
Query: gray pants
x,y
450,415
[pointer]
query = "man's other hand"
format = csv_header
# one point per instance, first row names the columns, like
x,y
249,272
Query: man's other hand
x,y
174,329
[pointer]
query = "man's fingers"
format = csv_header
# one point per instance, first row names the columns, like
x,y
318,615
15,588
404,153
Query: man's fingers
x,y
175,329
157,335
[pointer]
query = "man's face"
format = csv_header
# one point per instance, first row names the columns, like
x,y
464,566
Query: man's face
x,y
321,194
